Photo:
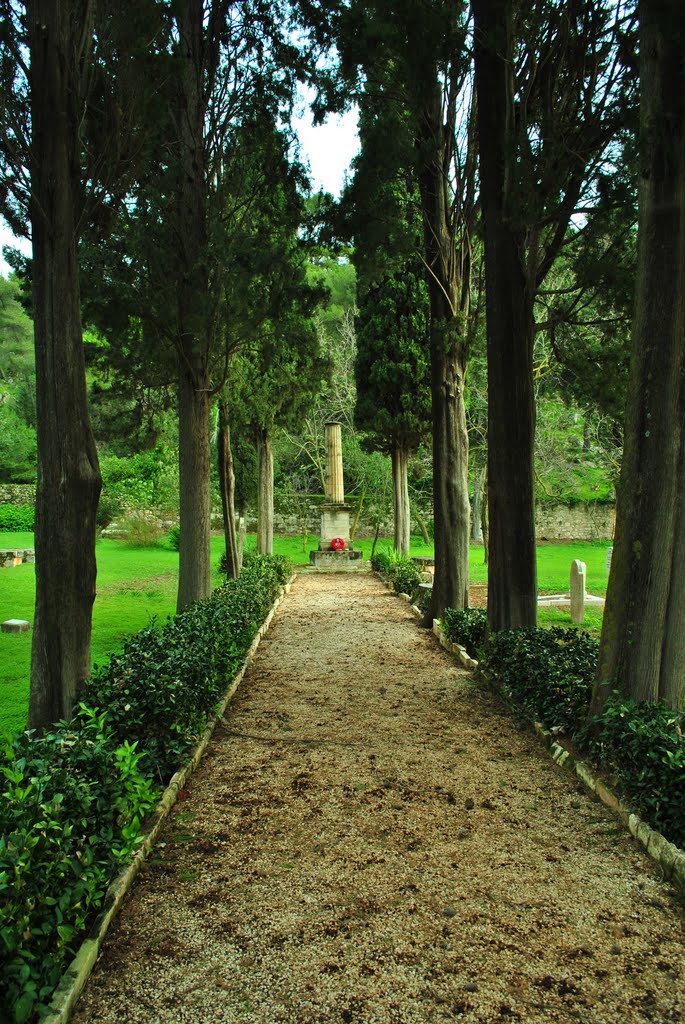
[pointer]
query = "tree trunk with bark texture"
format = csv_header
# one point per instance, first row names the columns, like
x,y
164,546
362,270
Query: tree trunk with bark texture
x,y
447,269
69,478
194,578
265,494
512,574
194,571
642,650
400,495
227,484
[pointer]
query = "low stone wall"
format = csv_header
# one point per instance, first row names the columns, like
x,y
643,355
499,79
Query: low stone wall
x,y
585,521
17,494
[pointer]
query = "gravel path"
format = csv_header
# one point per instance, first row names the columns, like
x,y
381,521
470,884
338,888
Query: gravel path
x,y
372,838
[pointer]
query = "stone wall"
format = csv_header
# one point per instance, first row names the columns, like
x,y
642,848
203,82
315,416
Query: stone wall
x,y
585,521
17,494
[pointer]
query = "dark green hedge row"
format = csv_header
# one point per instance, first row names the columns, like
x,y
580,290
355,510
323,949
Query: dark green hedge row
x,y
550,674
17,517
400,570
73,800
468,627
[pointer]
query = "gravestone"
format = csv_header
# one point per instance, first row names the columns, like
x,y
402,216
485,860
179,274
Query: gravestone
x,y
577,591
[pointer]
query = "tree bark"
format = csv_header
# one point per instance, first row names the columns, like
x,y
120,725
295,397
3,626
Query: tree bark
x,y
642,649
448,288
227,485
194,577
400,495
194,573
265,494
512,573
476,519
69,480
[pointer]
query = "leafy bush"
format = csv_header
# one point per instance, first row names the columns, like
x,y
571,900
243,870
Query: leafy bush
x,y
174,538
73,800
643,746
381,561
400,570
71,809
467,627
109,507
141,531
281,565
17,518
162,687
550,672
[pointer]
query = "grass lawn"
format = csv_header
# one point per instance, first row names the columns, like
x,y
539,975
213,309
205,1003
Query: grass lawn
x,y
136,584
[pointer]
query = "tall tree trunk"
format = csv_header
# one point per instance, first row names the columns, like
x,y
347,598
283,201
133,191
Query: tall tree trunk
x,y
400,498
642,650
476,519
194,573
69,478
194,577
448,288
512,573
265,494
227,485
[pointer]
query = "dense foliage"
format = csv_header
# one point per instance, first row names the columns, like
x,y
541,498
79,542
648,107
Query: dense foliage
x,y
73,799
550,674
399,570
17,518
642,744
466,626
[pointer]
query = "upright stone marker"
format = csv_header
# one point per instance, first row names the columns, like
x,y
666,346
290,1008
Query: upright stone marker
x,y
610,551
578,573
335,546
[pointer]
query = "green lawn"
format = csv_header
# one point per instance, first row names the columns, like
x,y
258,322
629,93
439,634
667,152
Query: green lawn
x,y
136,584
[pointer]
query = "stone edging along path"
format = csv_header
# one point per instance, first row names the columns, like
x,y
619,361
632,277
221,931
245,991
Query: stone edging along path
x,y
76,975
670,858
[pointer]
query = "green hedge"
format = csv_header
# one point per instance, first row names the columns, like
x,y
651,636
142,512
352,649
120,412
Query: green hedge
x,y
73,800
400,570
17,518
550,673
643,746
468,627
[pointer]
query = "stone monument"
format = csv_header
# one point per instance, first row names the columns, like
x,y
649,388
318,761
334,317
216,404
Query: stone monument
x,y
335,547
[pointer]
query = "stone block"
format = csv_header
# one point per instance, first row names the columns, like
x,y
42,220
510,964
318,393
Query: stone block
x,y
15,626
578,575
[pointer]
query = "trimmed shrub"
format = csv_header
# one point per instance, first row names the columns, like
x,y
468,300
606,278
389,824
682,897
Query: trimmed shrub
x,y
400,570
163,686
549,672
642,744
468,627
72,801
70,812
17,518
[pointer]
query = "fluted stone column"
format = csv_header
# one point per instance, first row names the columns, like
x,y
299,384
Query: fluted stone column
x,y
335,487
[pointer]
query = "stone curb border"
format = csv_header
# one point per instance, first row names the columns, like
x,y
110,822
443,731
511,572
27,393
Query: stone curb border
x,y
74,978
670,858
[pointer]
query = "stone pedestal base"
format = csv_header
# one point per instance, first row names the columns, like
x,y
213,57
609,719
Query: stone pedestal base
x,y
337,561
335,522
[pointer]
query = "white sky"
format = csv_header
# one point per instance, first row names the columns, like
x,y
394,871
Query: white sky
x,y
327,150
